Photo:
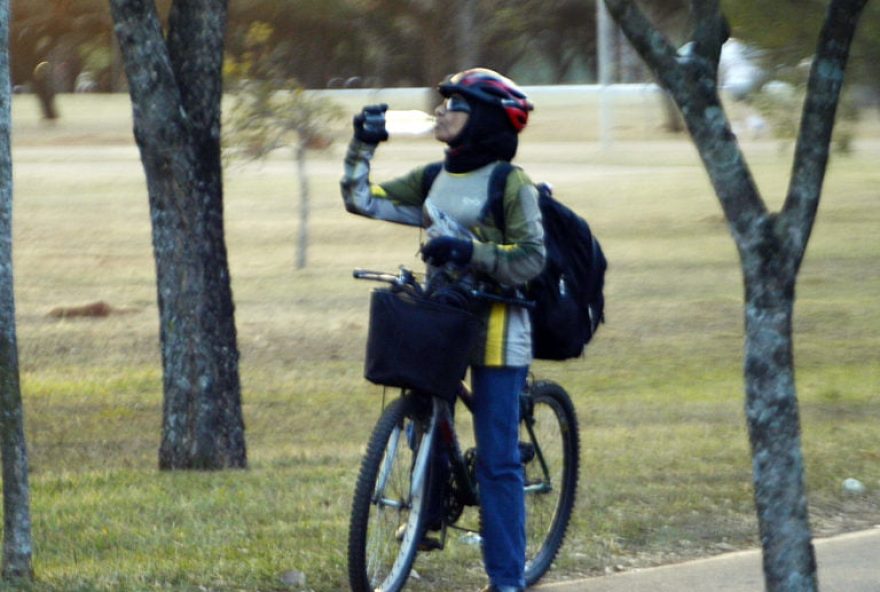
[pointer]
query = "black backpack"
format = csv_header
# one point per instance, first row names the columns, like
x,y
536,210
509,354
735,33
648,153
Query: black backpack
x,y
568,293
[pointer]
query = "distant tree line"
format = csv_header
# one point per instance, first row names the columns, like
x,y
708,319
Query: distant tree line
x,y
414,42
329,42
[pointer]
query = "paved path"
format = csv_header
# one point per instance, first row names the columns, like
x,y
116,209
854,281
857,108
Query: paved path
x,y
847,563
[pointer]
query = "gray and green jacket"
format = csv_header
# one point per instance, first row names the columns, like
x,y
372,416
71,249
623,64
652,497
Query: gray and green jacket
x,y
508,256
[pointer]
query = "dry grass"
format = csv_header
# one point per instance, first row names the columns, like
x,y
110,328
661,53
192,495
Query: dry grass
x,y
666,466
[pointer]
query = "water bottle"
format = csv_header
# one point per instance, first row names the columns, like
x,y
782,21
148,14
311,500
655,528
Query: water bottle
x,y
408,122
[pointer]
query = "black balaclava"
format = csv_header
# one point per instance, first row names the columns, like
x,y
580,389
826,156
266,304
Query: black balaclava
x,y
487,137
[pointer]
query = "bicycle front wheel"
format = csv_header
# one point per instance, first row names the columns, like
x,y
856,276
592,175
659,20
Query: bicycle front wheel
x,y
549,429
388,509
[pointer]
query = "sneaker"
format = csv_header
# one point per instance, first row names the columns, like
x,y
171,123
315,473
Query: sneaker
x,y
494,588
427,544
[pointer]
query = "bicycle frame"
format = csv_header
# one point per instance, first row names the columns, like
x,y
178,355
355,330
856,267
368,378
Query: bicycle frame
x,y
406,489
446,435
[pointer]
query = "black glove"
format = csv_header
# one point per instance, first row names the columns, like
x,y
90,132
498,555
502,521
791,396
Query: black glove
x,y
369,124
444,249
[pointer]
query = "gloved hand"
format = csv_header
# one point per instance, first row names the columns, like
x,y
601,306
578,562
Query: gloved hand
x,y
369,124
444,249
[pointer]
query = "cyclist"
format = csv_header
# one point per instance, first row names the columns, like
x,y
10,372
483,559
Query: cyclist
x,y
479,120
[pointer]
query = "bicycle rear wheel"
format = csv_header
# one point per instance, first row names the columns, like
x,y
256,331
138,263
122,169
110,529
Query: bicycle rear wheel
x,y
388,508
549,425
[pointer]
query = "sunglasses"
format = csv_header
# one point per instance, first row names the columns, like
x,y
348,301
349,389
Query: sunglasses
x,y
456,103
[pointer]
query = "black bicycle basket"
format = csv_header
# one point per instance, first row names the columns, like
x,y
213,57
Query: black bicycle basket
x,y
418,343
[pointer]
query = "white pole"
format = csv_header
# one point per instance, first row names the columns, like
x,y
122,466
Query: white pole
x,y
603,35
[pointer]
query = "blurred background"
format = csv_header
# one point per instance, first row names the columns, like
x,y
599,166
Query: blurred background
x,y
69,44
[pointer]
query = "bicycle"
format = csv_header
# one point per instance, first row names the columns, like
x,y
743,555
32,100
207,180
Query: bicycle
x,y
388,518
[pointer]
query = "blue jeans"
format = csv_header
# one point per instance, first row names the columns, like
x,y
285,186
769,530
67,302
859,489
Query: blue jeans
x,y
499,471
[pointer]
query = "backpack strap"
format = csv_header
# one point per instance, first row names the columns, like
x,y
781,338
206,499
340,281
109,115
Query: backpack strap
x,y
429,175
497,187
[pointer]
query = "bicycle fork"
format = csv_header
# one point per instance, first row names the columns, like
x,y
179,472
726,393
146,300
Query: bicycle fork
x,y
528,419
418,480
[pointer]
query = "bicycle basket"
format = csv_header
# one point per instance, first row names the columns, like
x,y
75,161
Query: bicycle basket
x,y
418,343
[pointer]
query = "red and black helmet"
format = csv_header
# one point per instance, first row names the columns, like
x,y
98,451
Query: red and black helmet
x,y
491,87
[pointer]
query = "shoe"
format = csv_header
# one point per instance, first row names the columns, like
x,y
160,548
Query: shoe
x,y
427,544
494,588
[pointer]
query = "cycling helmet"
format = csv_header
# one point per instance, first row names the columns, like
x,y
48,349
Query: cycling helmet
x,y
490,87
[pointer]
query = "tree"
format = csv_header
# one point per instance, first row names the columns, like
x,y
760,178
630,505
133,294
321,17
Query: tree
x,y
176,86
16,493
271,111
771,248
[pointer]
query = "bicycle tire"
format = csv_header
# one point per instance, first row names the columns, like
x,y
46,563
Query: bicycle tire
x,y
387,510
549,505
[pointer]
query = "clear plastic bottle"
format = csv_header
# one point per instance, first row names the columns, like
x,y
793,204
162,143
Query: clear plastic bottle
x,y
402,122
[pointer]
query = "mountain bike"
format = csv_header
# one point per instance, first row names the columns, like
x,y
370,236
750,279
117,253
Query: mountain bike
x,y
399,472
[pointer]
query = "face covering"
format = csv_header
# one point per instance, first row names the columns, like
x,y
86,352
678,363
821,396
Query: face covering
x,y
487,137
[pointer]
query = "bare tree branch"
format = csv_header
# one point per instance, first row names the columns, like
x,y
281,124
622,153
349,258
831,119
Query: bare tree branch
x,y
197,55
137,25
691,80
710,32
817,121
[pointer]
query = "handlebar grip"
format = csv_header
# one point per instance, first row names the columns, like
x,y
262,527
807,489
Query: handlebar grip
x,y
376,276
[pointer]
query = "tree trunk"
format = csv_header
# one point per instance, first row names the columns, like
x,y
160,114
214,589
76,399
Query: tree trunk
x,y
17,549
774,431
176,90
304,205
771,248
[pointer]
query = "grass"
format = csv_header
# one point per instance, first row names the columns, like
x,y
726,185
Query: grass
x,y
666,468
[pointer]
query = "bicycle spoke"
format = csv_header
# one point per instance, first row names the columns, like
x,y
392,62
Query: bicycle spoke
x,y
387,509
387,463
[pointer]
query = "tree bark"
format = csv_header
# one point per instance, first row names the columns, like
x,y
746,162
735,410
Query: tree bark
x,y
17,547
774,424
175,89
771,248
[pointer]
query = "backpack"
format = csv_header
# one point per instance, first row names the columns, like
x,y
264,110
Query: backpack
x,y
568,293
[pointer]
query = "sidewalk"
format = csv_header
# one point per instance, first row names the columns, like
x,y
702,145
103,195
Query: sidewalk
x,y
847,563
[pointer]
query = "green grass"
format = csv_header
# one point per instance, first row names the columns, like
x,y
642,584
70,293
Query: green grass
x,y
666,470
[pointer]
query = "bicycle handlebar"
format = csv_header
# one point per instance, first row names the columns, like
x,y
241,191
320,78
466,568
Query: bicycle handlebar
x,y
406,279
378,276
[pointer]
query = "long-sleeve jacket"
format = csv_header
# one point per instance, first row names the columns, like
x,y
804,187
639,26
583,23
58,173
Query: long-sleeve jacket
x,y
508,256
